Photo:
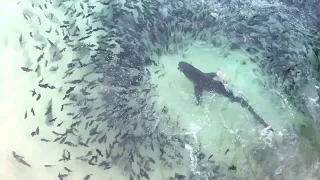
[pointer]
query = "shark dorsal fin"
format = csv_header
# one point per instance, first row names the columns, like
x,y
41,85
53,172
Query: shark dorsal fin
x,y
211,74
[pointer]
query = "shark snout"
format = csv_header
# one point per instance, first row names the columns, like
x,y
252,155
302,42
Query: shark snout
x,y
181,65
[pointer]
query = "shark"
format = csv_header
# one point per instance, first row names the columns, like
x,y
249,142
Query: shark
x,y
208,82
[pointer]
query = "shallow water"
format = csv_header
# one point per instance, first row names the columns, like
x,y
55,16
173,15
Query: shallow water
x,y
224,129
218,124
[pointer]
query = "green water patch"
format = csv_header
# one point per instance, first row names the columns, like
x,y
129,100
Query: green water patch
x,y
224,129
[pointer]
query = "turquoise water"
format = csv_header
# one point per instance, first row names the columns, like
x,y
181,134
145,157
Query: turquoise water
x,y
219,125
222,129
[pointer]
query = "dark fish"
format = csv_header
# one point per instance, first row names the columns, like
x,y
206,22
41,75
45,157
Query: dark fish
x,y
77,15
26,69
26,115
51,87
47,165
52,120
70,89
25,16
232,167
88,15
20,159
38,97
33,92
152,160
49,109
226,151
143,173
67,169
82,144
20,40
87,177
83,38
33,133
31,34
40,57
81,5
103,139
179,176
70,144
62,50
44,140
54,68
75,81
37,69
58,125
105,164
32,111
66,96
48,31
37,131
61,176
93,158
43,85
99,152
37,47
51,43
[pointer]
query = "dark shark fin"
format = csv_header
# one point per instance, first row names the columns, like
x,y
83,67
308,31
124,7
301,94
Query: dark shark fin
x,y
212,74
198,93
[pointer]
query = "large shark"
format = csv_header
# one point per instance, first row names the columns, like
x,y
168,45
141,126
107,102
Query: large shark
x,y
207,82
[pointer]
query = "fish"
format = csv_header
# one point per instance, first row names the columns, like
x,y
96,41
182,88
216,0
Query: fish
x,y
36,132
143,173
33,92
20,159
105,164
67,169
232,167
179,176
49,108
40,57
207,82
226,151
83,38
99,152
87,177
32,111
50,42
38,97
21,40
43,85
26,69
58,125
49,30
61,176
26,115
37,69
70,89
44,140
